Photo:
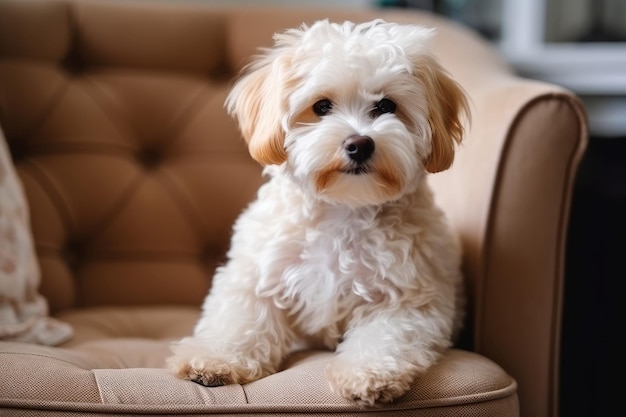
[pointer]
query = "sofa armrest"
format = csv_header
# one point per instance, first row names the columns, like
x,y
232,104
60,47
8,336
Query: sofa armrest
x,y
508,195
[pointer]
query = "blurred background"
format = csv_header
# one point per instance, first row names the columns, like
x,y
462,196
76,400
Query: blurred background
x,y
581,45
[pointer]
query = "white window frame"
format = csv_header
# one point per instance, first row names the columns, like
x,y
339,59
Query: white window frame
x,y
587,68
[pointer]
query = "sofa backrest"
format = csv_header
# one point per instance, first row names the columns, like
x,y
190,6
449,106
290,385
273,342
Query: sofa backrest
x,y
133,171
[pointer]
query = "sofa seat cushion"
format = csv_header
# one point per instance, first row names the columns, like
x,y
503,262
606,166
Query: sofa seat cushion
x,y
95,324
115,364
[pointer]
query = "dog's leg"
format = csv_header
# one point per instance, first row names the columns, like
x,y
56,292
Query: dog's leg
x,y
239,338
381,355
233,346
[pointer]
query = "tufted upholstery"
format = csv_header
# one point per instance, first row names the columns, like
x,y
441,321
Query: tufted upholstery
x,y
109,144
113,112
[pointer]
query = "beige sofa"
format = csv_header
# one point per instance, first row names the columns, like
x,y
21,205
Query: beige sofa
x,y
133,174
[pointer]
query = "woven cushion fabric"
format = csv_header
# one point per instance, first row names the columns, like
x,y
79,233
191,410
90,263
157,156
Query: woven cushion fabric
x,y
126,375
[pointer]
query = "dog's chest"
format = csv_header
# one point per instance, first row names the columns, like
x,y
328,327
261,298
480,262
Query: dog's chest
x,y
328,268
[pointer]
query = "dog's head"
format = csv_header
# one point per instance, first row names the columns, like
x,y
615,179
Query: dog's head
x,y
355,113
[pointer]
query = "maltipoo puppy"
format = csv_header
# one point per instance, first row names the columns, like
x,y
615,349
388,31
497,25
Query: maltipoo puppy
x,y
344,247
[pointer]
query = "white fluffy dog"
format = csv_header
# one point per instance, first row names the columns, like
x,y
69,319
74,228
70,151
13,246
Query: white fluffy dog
x,y
344,247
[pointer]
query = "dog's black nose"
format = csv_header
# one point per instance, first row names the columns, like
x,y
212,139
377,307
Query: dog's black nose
x,y
359,148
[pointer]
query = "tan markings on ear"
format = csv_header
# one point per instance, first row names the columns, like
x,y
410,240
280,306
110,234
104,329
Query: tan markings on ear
x,y
447,110
257,102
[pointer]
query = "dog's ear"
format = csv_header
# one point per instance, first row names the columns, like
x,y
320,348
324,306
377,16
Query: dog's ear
x,y
257,101
447,111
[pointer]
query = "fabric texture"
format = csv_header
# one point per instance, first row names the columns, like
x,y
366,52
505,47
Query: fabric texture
x,y
120,370
23,310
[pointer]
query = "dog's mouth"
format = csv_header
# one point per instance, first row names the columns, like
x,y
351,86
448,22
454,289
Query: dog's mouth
x,y
359,169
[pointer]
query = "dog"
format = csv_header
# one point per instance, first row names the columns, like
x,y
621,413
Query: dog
x,y
344,247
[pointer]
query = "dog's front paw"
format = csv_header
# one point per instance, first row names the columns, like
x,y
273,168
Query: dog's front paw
x,y
210,369
367,384
210,372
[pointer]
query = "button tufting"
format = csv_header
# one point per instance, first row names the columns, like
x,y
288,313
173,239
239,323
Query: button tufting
x,y
18,149
212,253
73,253
150,157
73,64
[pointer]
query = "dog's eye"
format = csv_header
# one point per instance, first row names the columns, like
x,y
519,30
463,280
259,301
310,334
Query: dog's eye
x,y
322,107
383,106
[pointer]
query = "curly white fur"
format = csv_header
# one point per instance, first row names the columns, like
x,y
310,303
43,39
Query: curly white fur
x,y
341,252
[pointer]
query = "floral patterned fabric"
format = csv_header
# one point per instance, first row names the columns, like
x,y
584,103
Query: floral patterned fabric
x,y
23,311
